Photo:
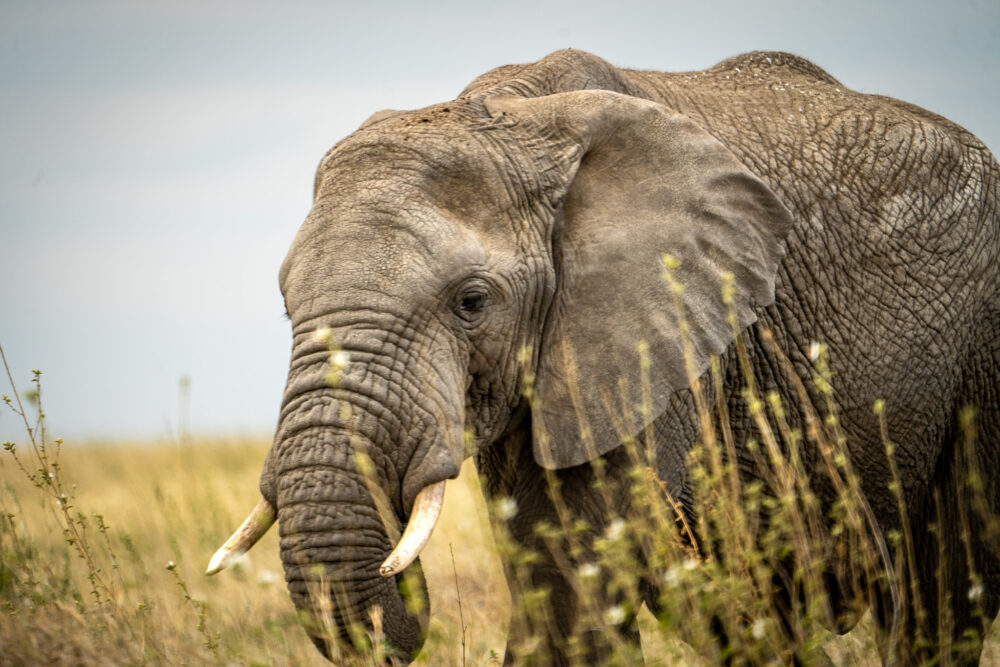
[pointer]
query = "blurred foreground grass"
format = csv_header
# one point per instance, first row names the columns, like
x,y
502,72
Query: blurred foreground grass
x,y
167,504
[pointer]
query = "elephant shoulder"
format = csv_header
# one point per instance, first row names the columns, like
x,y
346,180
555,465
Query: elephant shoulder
x,y
956,138
769,64
927,145
561,71
492,78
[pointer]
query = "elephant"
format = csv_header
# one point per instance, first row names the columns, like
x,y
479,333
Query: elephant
x,y
483,270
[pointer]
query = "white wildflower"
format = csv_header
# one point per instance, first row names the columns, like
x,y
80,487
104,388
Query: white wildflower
x,y
675,575
506,508
171,564
815,349
615,615
588,570
340,359
615,530
975,592
323,334
266,577
759,628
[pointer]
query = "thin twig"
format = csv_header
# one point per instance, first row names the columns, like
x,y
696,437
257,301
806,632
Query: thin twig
x,y
458,593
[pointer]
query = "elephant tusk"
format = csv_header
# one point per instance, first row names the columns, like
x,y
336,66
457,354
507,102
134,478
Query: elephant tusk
x,y
252,529
426,510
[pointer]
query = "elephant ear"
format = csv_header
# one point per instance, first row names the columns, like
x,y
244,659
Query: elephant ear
x,y
637,182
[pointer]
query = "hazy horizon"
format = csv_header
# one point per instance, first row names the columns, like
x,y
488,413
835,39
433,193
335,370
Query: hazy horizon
x,y
157,160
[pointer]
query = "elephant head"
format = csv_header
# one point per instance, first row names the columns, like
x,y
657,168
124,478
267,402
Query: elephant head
x,y
458,254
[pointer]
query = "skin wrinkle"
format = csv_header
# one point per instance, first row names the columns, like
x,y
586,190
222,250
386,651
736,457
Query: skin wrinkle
x,y
364,551
300,452
515,189
363,537
386,423
337,487
324,514
309,360
828,299
534,235
385,365
359,582
353,569
367,544
366,547
486,392
356,316
354,149
397,339
363,589
355,561
329,398
303,588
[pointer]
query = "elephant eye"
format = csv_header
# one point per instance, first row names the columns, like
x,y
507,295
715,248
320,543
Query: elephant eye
x,y
472,303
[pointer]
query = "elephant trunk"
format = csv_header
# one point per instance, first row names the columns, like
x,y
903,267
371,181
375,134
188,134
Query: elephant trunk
x,y
350,464
334,540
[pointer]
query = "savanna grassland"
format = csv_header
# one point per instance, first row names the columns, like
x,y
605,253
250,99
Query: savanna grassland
x,y
103,549
164,509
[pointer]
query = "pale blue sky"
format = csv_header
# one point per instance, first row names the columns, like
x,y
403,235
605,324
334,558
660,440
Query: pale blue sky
x,y
157,158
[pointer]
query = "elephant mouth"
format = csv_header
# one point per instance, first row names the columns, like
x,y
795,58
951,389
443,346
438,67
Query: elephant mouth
x,y
426,512
385,626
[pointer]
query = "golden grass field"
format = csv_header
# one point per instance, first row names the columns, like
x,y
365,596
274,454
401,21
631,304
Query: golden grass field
x,y
170,503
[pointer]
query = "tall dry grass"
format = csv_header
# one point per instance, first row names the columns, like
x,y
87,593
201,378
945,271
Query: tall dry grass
x,y
103,548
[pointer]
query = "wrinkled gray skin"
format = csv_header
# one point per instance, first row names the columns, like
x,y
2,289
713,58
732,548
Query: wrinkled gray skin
x,y
532,212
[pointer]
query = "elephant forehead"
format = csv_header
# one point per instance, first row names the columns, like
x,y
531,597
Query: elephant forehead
x,y
396,169
410,257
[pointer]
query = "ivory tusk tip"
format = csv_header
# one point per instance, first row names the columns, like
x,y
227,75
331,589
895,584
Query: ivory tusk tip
x,y
253,527
426,510
222,559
